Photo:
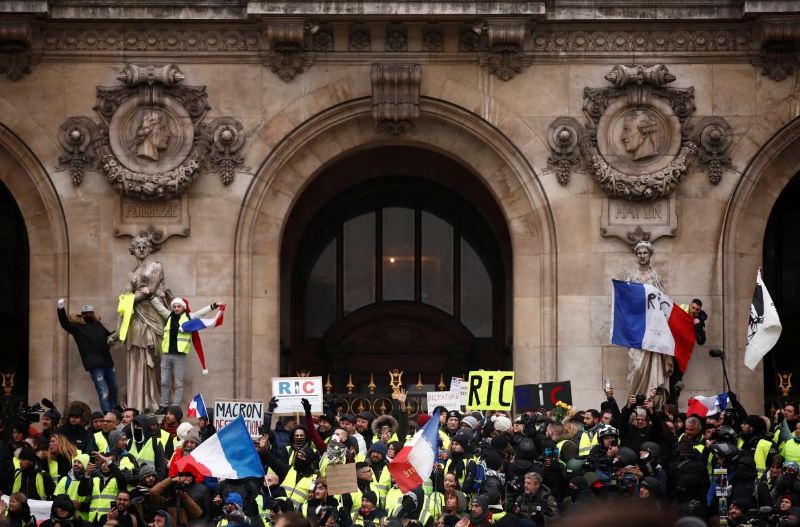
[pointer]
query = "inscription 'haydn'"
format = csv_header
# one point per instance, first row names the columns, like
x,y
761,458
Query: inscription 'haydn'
x,y
633,211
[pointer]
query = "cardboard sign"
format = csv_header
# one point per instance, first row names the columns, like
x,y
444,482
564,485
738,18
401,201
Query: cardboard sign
x,y
457,384
341,479
542,395
252,411
490,390
450,400
290,391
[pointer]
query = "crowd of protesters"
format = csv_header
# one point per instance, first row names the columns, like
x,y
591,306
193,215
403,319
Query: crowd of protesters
x,y
118,468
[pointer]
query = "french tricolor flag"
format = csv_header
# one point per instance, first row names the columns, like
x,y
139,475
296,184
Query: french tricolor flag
x,y
414,463
197,407
228,454
197,324
702,405
645,318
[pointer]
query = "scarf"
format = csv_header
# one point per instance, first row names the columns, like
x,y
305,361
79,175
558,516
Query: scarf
x,y
171,429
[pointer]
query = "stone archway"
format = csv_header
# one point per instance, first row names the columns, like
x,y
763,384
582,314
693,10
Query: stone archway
x,y
38,201
746,218
348,127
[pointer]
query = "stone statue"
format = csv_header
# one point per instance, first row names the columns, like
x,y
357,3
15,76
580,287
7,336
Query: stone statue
x,y
646,370
152,136
639,135
146,327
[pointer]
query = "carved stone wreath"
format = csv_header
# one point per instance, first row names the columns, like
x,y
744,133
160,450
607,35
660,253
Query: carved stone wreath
x,y
152,142
639,140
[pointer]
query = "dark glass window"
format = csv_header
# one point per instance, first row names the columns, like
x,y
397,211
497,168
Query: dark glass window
x,y
398,253
437,262
358,263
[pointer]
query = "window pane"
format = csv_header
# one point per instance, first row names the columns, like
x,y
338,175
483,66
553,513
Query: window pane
x,y
437,262
398,254
321,293
476,293
359,262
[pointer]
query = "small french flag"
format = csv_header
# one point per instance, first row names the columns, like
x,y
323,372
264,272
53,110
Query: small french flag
x,y
197,324
414,463
703,406
228,454
197,407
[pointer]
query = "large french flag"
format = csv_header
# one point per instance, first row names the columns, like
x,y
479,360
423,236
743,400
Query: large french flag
x,y
414,463
645,318
196,324
228,454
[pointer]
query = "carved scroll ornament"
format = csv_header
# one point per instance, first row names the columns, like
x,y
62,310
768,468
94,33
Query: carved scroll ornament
x,y
639,140
395,96
152,141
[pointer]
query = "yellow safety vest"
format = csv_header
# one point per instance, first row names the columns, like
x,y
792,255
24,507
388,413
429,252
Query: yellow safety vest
x,y
70,488
296,491
432,507
357,495
394,500
558,446
102,497
100,442
39,479
183,341
497,516
146,454
790,450
586,443
383,485
52,468
125,309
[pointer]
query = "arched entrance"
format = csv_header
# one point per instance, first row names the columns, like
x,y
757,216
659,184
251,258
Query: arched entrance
x,y
339,131
782,278
746,218
13,310
395,257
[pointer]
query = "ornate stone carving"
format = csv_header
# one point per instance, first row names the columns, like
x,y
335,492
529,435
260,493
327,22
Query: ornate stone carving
x,y
637,141
650,41
288,56
780,49
713,135
396,38
504,55
562,136
395,96
359,38
151,39
322,39
16,57
152,142
432,38
76,137
468,39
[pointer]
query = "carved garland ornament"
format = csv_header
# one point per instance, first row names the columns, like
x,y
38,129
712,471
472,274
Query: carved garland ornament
x,y
152,142
639,141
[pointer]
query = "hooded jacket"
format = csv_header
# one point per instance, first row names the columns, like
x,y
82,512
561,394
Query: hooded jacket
x,y
91,340
140,437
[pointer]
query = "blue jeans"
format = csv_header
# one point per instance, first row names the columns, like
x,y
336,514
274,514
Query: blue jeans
x,y
105,382
172,369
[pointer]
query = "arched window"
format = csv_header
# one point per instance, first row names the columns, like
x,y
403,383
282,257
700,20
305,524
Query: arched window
x,y
402,242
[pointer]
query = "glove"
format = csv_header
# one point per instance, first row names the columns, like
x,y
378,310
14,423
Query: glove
x,y
306,405
111,338
273,403
214,306
60,303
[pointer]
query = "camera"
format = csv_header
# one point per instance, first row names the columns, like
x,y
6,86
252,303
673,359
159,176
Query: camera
x,y
640,398
29,414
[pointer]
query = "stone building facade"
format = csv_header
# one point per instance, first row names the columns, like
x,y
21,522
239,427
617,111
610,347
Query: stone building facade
x,y
573,128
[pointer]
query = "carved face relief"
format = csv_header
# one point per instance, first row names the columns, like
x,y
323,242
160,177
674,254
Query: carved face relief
x,y
152,136
639,135
643,256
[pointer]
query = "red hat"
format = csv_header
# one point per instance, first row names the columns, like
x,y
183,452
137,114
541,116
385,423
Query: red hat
x,y
422,419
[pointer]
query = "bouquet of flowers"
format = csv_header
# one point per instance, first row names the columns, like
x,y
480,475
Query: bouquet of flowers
x,y
562,412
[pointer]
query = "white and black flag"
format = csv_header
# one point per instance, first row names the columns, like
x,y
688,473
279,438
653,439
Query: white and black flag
x,y
764,326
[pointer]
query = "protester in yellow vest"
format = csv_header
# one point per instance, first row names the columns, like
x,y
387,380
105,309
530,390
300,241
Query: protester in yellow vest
x,y
69,485
174,348
31,480
102,481
145,447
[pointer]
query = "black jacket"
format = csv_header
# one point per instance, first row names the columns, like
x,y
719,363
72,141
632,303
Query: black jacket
x,y
91,340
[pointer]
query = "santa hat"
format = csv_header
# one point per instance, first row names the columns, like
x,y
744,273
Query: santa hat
x,y
198,345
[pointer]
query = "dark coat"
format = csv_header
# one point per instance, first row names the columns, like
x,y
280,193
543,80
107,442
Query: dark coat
x,y
91,340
